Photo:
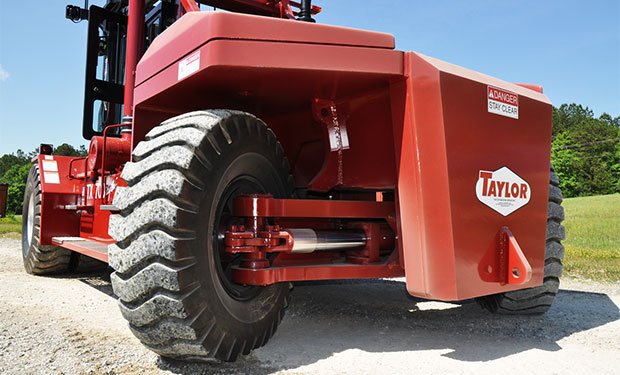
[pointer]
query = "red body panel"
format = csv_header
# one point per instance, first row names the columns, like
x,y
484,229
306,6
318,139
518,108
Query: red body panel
x,y
71,205
181,38
413,122
278,81
417,129
448,137
58,191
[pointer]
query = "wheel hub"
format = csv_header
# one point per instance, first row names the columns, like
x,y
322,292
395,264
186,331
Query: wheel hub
x,y
30,222
225,261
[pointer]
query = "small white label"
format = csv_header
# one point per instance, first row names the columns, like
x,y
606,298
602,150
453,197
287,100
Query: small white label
x,y
502,102
50,166
51,178
48,157
502,190
189,65
338,135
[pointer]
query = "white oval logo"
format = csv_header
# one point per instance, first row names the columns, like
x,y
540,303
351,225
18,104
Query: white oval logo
x,y
502,190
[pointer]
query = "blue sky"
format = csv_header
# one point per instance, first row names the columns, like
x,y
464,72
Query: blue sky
x,y
571,47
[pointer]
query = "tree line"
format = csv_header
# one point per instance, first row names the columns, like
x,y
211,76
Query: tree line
x,y
585,152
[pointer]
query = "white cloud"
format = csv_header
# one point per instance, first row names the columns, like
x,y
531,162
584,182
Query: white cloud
x,y
4,75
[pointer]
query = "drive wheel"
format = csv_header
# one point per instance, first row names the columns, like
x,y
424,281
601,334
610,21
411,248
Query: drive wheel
x,y
173,278
539,299
38,259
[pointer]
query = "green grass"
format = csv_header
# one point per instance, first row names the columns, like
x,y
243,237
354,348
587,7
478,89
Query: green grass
x,y
593,237
11,224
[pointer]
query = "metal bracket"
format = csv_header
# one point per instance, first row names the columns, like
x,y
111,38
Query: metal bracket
x,y
272,239
505,262
334,120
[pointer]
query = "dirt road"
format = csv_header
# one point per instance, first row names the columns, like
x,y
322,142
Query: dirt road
x,y
71,325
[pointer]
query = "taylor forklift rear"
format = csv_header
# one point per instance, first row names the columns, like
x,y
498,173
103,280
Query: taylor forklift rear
x,y
235,152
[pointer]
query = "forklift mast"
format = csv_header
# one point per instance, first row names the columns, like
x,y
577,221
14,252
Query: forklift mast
x,y
120,32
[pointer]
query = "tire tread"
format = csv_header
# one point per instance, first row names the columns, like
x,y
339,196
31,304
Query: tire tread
x,y
153,256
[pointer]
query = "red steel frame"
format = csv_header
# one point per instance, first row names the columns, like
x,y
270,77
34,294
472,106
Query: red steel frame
x,y
257,271
355,117
135,32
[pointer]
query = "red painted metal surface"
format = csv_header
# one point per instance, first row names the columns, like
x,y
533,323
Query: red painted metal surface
x,y
73,189
332,271
378,238
261,206
108,153
274,69
58,191
271,239
327,113
4,189
444,138
134,49
197,29
418,129
537,88
190,6
118,148
504,261
275,8
257,238
94,248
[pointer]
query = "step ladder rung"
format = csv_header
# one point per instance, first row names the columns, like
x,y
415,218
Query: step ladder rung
x,y
88,247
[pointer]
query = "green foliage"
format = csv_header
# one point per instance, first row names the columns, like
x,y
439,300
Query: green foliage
x,y
585,151
9,160
66,149
565,161
16,177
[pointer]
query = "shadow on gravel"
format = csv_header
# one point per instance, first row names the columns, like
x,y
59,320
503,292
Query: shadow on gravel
x,y
376,316
379,316
244,365
97,277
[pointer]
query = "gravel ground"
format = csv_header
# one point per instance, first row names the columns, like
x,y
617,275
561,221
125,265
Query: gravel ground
x,y
71,325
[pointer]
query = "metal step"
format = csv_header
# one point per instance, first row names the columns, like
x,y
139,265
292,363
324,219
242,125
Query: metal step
x,y
88,247
109,207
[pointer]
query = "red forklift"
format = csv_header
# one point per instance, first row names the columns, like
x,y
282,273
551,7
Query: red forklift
x,y
237,146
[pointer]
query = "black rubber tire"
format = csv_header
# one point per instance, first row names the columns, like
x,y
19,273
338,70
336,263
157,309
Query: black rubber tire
x,y
539,299
39,259
171,285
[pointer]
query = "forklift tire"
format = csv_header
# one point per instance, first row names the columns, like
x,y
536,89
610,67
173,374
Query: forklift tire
x,y
172,276
539,299
38,259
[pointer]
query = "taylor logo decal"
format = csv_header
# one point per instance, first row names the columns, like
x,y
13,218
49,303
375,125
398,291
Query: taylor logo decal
x,y
502,190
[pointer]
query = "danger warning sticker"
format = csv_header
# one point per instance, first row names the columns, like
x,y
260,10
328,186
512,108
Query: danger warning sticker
x,y
502,190
189,65
502,102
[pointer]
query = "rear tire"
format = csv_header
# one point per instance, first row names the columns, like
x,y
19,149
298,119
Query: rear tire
x,y
539,299
38,259
172,277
